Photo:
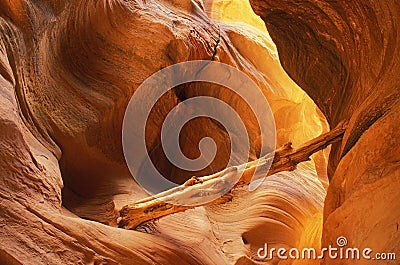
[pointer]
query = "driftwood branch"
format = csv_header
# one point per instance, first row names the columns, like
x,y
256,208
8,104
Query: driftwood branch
x,y
284,159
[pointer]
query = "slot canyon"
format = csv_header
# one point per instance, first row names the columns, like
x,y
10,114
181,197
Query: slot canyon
x,y
68,70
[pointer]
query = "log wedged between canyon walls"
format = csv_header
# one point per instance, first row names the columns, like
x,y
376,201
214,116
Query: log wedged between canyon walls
x,y
180,199
67,70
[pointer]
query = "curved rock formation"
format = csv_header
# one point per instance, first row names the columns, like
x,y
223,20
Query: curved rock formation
x,y
68,70
345,55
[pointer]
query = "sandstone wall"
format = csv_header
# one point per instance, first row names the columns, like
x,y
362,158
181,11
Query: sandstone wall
x,y
345,55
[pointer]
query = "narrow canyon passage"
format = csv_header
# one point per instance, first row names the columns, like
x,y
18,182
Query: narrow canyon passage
x,y
69,70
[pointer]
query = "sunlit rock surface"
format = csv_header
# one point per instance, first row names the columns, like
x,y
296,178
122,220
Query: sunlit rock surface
x,y
67,71
345,55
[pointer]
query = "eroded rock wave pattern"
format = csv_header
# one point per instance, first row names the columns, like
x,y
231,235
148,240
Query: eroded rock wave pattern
x,y
67,72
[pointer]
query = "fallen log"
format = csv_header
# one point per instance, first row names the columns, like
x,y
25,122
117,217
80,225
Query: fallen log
x,y
173,201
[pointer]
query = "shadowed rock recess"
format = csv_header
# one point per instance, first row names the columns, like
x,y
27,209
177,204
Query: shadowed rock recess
x,y
69,68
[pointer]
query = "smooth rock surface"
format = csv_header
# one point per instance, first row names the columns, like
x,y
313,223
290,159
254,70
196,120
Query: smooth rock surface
x,y
345,55
67,72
